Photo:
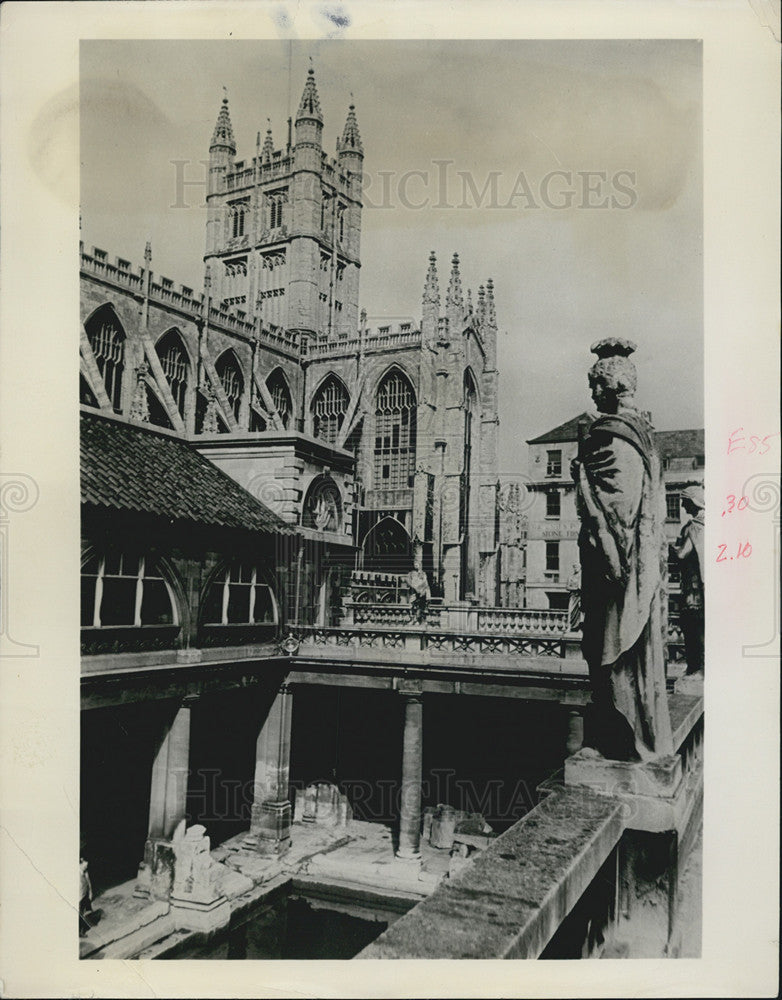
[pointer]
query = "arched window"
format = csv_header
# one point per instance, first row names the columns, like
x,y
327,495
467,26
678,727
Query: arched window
x,y
276,202
230,374
176,366
387,548
329,407
395,427
237,219
121,589
107,339
238,595
278,388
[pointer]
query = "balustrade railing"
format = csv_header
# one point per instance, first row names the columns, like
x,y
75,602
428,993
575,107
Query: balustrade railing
x,y
416,639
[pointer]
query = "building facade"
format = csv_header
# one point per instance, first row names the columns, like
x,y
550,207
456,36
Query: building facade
x,y
383,439
553,525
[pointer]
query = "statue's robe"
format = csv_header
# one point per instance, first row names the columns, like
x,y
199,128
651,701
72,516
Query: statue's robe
x,y
621,504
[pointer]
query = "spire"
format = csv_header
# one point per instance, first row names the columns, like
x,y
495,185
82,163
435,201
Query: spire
x,y
491,316
224,134
454,298
351,137
469,301
432,287
481,310
309,106
268,145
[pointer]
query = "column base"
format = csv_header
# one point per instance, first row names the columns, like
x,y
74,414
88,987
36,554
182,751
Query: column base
x,y
408,854
270,828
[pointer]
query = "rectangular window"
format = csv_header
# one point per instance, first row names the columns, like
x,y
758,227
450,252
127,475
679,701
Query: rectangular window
x,y
552,557
554,463
672,502
553,505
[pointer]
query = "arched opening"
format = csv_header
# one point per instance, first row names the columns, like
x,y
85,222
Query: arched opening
x,y
395,432
107,340
229,371
277,385
322,506
127,602
387,548
329,406
239,605
175,362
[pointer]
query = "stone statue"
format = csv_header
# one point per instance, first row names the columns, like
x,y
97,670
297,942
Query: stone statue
x,y
418,582
688,549
620,501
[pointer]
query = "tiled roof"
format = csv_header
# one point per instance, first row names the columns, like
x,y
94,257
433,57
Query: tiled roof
x,y
131,468
565,432
680,444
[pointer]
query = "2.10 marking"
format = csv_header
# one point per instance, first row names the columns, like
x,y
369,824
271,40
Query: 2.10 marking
x,y
744,551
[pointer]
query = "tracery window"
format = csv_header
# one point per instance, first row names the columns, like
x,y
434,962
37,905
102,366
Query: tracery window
x,y
238,596
281,397
107,339
125,589
276,203
237,217
230,374
395,432
176,367
328,410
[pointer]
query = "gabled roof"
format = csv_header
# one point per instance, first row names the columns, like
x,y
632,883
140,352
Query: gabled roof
x,y
130,468
680,444
564,432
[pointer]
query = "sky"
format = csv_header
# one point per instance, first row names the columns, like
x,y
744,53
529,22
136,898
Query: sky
x,y
568,172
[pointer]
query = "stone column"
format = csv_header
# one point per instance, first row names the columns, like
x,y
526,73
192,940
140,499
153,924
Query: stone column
x,y
412,755
270,824
575,730
167,805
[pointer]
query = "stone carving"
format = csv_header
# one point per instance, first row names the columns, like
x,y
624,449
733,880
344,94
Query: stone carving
x,y
688,549
139,404
620,502
445,826
418,582
322,804
195,873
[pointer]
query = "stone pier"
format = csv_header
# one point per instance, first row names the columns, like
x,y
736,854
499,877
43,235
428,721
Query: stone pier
x,y
167,806
270,825
412,761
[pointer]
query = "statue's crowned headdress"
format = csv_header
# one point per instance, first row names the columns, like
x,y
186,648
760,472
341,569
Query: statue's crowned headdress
x,y
614,366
